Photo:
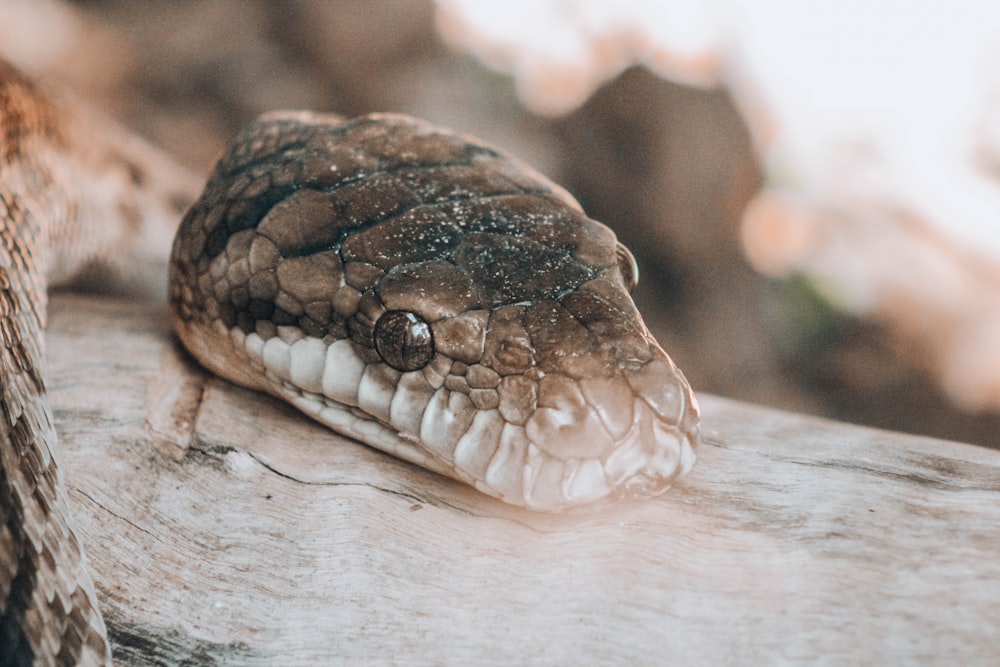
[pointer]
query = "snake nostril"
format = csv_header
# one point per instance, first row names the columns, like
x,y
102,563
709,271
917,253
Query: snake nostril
x,y
631,365
404,340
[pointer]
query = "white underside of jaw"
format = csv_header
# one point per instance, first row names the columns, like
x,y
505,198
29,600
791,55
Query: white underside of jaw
x,y
442,431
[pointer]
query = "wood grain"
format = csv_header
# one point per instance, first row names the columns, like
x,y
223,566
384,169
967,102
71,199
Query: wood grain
x,y
223,528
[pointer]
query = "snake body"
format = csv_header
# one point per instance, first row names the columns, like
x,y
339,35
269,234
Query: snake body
x,y
411,287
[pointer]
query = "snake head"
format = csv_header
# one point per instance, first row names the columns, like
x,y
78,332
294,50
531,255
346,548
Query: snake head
x,y
425,293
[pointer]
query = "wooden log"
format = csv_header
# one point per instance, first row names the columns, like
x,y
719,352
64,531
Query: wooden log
x,y
223,527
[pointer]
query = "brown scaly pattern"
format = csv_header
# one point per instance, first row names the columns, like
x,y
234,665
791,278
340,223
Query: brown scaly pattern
x,y
74,190
49,610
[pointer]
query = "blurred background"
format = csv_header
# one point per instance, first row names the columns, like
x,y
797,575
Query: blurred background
x,y
810,188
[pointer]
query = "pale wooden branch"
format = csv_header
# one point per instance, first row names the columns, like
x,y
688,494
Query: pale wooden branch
x,y
223,528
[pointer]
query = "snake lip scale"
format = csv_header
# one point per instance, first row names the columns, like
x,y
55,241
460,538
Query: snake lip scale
x,y
409,286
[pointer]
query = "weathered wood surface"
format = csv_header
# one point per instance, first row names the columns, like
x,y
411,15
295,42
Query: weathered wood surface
x,y
223,528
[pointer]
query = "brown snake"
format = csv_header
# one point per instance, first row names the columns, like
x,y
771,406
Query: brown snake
x,y
413,288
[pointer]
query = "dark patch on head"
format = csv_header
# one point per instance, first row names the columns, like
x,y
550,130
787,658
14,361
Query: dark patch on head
x,y
244,214
513,269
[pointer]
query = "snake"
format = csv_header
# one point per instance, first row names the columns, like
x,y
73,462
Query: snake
x,y
411,287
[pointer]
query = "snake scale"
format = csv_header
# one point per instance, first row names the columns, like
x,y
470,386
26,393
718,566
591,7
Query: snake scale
x,y
409,286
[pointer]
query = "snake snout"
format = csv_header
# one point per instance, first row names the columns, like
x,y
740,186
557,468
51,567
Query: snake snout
x,y
659,445
632,434
654,455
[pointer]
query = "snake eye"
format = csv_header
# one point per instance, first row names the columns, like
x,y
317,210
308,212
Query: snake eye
x,y
628,267
404,340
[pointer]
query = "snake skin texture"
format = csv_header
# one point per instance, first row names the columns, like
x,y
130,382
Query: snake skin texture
x,y
74,191
424,293
49,613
